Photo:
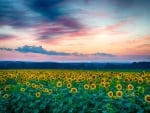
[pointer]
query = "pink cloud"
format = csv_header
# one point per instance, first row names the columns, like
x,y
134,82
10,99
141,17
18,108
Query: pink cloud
x,y
114,27
139,40
17,56
136,46
96,14
7,37
144,46
52,30
115,33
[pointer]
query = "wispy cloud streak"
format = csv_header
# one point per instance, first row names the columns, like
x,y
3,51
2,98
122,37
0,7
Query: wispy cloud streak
x,y
4,37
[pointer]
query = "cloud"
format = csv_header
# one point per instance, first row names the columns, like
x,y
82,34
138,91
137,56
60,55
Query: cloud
x,y
104,54
15,14
6,37
37,14
47,8
124,3
41,50
138,41
139,56
50,34
6,49
130,3
114,27
52,11
49,30
137,46
19,56
144,46
23,13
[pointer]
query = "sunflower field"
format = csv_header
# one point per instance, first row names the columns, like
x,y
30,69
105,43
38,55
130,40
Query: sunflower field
x,y
74,91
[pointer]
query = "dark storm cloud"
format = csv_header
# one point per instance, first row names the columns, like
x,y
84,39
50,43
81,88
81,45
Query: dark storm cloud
x,y
34,13
55,11
121,4
14,13
124,3
49,9
25,13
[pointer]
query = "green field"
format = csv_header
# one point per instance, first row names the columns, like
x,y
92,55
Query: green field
x,y
74,91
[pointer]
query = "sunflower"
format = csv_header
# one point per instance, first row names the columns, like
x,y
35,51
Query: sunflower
x,y
45,90
130,87
14,77
22,89
59,84
69,85
73,90
102,84
36,86
110,94
126,79
130,79
5,96
102,80
118,86
119,94
148,82
107,84
140,81
86,86
147,98
33,85
3,81
93,86
135,78
38,94
93,77
49,91
41,86
7,88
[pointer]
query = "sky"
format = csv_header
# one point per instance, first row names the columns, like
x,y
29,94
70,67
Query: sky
x,y
75,30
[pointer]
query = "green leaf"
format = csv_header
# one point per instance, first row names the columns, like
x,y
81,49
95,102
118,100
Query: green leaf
x,y
37,101
31,104
42,106
36,111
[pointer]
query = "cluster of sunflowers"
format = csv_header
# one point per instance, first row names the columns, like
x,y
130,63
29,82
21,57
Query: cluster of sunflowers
x,y
55,91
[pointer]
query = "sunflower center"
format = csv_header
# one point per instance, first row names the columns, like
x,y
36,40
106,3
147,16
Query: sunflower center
x,y
148,98
119,94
